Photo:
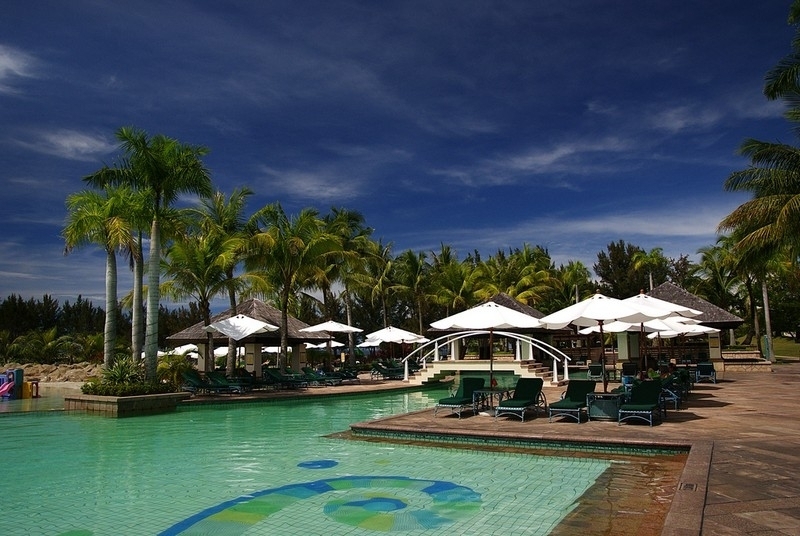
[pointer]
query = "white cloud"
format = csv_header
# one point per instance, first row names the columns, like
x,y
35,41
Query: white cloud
x,y
69,144
15,63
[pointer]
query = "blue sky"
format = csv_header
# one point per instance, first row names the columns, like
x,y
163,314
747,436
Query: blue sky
x,y
482,125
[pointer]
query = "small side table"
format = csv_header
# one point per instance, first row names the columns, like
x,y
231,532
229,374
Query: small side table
x,y
604,405
485,397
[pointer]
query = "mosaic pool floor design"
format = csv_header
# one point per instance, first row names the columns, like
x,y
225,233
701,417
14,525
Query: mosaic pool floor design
x,y
268,469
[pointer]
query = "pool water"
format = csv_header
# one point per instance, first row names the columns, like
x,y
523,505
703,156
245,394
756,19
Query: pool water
x,y
268,468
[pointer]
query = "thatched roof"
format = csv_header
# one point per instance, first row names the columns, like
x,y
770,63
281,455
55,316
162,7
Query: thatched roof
x,y
254,309
712,316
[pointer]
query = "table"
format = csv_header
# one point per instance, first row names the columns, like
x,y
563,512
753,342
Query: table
x,y
604,405
482,396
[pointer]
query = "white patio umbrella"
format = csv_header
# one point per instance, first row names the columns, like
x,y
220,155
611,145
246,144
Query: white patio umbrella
x,y
331,326
489,316
597,311
393,334
649,301
240,326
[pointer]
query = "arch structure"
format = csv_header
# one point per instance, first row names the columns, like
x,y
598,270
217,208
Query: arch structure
x,y
431,350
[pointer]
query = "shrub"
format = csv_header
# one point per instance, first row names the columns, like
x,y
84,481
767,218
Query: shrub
x,y
124,378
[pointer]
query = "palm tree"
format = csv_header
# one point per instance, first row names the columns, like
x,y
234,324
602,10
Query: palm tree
x,y
100,218
649,261
376,281
452,285
224,218
164,168
196,267
287,252
411,281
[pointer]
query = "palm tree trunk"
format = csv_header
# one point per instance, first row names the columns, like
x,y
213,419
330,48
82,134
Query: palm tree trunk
x,y
351,337
110,329
230,364
153,301
137,331
767,322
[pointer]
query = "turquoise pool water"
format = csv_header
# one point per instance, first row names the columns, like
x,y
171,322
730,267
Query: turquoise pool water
x,y
268,469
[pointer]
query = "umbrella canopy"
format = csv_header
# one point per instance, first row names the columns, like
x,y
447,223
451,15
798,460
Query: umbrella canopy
x,y
369,344
598,310
488,315
333,344
240,326
332,327
655,303
393,334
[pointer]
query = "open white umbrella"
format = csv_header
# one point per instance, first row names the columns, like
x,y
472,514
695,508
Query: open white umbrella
x,y
334,344
489,316
240,326
393,334
597,311
649,301
331,327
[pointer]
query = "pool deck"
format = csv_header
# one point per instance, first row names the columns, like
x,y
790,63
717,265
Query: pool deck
x,y
742,474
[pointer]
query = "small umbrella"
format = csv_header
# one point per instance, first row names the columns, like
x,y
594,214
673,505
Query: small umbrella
x,y
331,326
240,326
596,311
393,334
490,316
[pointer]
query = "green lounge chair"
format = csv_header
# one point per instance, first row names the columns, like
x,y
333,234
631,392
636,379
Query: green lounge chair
x,y
220,380
314,378
705,372
463,398
527,395
573,400
284,381
194,383
595,372
645,403
385,373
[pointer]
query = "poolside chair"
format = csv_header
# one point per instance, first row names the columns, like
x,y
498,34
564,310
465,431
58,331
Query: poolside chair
x,y
385,373
671,391
645,403
283,381
194,383
527,395
316,379
463,399
595,372
573,400
705,372
219,379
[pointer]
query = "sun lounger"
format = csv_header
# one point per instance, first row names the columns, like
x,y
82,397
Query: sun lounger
x,y
463,398
527,395
382,372
194,383
705,372
316,379
284,381
645,403
220,380
573,400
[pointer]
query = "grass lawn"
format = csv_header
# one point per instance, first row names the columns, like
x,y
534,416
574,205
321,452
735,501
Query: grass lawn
x,y
786,347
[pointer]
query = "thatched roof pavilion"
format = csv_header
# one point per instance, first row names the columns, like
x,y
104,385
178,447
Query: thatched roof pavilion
x,y
712,316
255,309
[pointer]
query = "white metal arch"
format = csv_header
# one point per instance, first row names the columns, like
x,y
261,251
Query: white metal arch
x,y
431,348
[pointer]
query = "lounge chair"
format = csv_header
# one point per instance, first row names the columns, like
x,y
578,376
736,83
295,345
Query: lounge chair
x,y
220,380
385,373
463,398
527,395
705,372
283,381
194,383
314,378
573,400
595,372
645,403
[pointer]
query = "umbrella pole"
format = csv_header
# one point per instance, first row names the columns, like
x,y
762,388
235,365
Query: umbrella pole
x,y
603,357
491,360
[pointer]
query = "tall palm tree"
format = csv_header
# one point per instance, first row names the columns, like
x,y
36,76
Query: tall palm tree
x,y
164,168
100,218
452,285
376,282
287,251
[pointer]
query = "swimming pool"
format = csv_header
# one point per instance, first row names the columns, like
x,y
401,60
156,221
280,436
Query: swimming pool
x,y
268,469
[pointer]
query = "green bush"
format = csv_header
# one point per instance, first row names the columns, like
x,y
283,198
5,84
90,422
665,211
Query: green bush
x,y
124,378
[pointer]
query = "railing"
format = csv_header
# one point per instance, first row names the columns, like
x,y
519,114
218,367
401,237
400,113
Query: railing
x,y
432,349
